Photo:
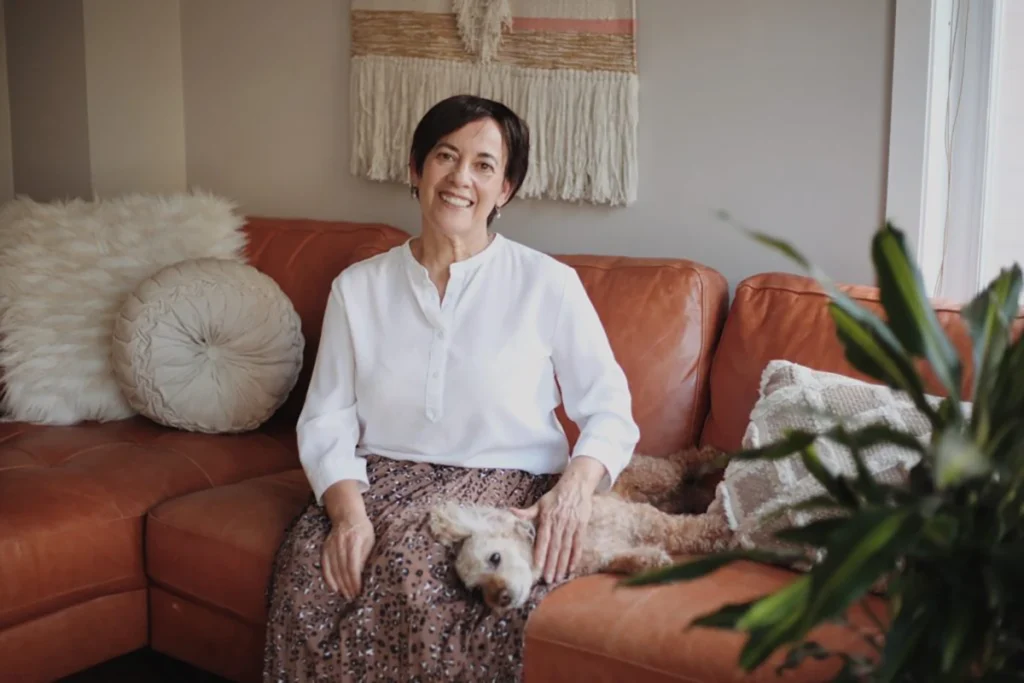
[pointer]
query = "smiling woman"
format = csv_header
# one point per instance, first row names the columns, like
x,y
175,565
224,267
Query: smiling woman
x,y
440,368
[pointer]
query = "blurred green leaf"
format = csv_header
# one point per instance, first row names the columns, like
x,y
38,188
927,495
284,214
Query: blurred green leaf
x,y
725,617
792,442
958,458
903,636
910,314
989,317
858,554
815,533
837,486
773,621
801,652
702,566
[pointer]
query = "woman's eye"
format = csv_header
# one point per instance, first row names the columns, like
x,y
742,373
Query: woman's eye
x,y
494,559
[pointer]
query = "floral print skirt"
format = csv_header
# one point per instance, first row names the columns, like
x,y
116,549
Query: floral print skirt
x,y
413,620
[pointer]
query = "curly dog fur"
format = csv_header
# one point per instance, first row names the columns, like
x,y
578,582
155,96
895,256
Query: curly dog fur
x,y
632,528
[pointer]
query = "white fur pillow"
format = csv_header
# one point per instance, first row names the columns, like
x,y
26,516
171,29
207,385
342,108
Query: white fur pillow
x,y
208,345
66,268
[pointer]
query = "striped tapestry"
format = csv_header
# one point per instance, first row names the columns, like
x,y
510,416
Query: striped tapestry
x,y
568,67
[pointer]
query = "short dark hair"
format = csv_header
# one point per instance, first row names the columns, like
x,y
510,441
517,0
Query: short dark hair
x,y
453,113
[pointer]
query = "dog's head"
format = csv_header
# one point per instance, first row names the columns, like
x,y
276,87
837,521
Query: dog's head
x,y
496,552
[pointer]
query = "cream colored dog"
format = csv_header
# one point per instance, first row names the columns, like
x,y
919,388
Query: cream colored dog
x,y
626,532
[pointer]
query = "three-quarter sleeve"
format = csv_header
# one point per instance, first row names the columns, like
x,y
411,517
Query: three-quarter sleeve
x,y
328,426
595,393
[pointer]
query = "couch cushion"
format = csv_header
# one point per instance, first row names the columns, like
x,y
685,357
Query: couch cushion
x,y
785,317
217,546
663,318
72,501
590,629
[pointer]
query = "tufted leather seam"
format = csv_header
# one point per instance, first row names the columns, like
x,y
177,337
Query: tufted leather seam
x,y
608,658
96,447
30,454
12,436
194,463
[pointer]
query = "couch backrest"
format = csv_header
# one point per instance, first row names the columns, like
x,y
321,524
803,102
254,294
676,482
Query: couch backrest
x,y
304,256
663,318
782,316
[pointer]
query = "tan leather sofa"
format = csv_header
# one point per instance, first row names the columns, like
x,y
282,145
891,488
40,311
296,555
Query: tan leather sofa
x,y
123,535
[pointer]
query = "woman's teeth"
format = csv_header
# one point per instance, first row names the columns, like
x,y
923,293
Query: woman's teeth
x,y
455,201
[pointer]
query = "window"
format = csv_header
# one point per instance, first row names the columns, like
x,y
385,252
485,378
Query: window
x,y
956,153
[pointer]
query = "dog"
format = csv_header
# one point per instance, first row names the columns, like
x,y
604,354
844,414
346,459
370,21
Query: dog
x,y
627,532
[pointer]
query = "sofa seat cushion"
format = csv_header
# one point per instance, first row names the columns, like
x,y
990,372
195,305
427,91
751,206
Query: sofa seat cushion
x,y
73,499
591,629
217,546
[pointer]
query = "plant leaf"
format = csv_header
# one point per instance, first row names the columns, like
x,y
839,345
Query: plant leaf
x,y
773,621
958,458
792,442
814,533
910,314
837,486
902,638
989,317
857,555
725,617
702,566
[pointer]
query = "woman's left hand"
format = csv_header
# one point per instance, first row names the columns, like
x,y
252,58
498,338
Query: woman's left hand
x,y
562,515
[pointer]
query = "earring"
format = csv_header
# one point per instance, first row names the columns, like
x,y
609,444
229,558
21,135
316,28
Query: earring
x,y
497,211
414,191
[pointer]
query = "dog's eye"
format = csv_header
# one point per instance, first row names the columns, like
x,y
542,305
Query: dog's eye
x,y
494,559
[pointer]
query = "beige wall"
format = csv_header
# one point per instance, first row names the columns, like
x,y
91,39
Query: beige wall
x,y
774,110
96,97
49,119
134,95
6,164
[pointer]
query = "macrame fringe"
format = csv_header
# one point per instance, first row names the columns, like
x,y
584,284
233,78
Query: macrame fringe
x,y
480,23
583,125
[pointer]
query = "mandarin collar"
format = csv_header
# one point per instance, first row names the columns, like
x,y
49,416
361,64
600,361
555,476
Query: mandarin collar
x,y
461,268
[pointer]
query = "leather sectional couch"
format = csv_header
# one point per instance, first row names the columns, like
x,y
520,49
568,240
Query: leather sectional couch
x,y
125,535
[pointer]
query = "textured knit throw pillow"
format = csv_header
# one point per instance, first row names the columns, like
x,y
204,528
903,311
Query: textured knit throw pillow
x,y
208,345
66,268
796,397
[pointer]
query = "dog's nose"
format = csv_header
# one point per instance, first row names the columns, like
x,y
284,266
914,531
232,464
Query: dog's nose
x,y
504,599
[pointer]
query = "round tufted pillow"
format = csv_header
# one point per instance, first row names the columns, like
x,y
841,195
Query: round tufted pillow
x,y
207,345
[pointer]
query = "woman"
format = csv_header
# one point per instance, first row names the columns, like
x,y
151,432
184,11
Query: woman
x,y
435,380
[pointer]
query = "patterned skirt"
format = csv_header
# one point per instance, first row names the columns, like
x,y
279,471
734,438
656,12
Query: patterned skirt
x,y
413,620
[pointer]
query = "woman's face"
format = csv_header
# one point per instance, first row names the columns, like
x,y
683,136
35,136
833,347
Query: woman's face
x,y
463,178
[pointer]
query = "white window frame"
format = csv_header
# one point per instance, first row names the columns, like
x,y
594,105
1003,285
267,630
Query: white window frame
x,y
942,95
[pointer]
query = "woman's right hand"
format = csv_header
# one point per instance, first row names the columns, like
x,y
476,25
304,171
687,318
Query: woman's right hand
x,y
350,540
344,554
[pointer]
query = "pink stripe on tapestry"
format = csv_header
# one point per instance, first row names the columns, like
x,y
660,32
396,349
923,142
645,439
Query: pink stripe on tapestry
x,y
556,25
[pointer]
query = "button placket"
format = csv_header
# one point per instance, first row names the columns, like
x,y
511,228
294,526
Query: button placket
x,y
435,376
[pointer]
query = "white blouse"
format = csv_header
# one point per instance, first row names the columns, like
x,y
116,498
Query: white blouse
x,y
468,381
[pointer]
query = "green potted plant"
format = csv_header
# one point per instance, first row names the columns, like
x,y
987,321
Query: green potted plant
x,y
948,543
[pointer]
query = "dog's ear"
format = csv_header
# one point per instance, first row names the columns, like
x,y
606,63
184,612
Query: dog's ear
x,y
526,529
451,522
